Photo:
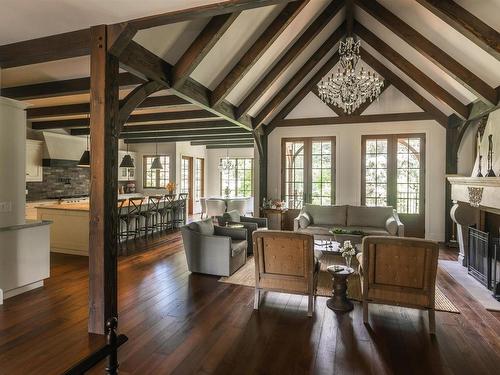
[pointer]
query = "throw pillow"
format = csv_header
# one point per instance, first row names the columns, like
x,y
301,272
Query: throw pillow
x,y
392,226
233,216
304,220
204,226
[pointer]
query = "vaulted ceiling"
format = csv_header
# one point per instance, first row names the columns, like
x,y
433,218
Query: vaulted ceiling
x,y
252,62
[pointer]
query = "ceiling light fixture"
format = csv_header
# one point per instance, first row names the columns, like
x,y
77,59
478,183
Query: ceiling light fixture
x,y
127,161
349,88
156,165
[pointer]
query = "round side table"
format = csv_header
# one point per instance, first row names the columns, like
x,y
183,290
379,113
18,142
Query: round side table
x,y
339,301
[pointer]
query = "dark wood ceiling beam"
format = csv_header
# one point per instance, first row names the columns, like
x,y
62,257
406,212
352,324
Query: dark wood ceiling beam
x,y
220,142
429,50
62,88
358,119
49,48
137,118
411,70
145,64
466,23
201,46
84,108
184,133
200,137
405,88
218,147
252,55
311,85
317,56
194,125
291,54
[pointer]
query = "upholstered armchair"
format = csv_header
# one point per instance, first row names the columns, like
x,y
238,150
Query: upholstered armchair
x,y
250,223
212,249
285,262
399,271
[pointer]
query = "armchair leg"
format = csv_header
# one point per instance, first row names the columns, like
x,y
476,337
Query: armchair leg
x,y
310,305
257,299
365,312
432,321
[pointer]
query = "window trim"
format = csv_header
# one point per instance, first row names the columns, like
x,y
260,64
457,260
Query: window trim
x,y
202,177
392,166
252,188
308,166
144,172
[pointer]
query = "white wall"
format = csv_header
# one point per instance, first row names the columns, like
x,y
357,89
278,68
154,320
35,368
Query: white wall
x,y
348,163
145,149
12,162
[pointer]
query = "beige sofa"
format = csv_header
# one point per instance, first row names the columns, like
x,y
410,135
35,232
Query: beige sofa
x,y
373,221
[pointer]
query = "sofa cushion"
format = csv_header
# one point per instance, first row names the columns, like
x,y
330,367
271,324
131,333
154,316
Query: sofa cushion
x,y
237,247
304,220
368,216
204,226
331,215
391,225
323,230
233,216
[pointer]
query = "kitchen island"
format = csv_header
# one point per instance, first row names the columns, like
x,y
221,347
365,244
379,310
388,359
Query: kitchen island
x,y
69,232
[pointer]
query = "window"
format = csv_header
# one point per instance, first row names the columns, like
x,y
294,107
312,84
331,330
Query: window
x,y
393,172
156,179
239,180
185,174
199,179
308,170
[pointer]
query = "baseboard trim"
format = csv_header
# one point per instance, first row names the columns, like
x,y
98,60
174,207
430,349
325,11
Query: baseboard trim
x,y
22,289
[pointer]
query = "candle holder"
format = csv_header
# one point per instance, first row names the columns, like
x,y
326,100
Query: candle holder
x,y
490,172
479,172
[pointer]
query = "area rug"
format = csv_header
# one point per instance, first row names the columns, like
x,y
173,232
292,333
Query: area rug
x,y
246,276
474,287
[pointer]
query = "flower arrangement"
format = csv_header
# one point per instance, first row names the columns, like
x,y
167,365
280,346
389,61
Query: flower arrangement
x,y
171,187
348,251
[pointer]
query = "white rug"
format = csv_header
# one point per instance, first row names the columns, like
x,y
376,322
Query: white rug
x,y
474,287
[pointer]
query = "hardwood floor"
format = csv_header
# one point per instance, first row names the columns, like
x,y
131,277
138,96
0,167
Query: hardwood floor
x,y
181,323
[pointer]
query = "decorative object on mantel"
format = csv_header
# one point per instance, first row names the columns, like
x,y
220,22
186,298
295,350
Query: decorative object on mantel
x,y
490,172
171,188
475,195
348,88
479,172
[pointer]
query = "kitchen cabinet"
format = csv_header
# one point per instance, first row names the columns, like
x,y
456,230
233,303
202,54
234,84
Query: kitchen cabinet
x,y
126,174
34,155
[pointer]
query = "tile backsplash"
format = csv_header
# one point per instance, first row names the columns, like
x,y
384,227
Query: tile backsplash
x,y
60,181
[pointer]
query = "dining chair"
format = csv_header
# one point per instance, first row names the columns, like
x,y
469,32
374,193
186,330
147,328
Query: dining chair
x,y
215,207
239,205
203,203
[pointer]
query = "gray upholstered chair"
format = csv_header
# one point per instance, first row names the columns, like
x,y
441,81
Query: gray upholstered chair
x,y
212,249
250,223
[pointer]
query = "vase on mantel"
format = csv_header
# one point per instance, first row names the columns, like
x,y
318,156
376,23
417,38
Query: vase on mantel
x,y
348,260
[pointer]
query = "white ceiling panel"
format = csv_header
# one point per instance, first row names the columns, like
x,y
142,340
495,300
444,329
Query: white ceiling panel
x,y
278,48
448,39
311,106
233,44
409,53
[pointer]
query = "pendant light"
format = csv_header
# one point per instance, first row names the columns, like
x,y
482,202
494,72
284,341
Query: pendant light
x,y
127,161
156,165
85,159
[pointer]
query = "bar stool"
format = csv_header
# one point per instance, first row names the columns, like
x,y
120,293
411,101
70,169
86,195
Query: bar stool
x,y
121,204
131,212
180,208
167,212
151,214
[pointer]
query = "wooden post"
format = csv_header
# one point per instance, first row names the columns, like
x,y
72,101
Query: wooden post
x,y
452,144
261,142
104,114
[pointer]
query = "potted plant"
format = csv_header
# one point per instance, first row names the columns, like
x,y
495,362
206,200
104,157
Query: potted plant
x,y
171,188
348,251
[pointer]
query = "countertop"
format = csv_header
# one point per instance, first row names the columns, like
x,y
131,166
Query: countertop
x,y
66,206
27,224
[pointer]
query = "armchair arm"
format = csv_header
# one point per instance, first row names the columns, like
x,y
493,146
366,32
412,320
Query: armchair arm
x,y
296,224
233,233
401,226
260,221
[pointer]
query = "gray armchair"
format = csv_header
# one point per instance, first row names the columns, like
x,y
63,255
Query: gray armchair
x,y
212,249
251,224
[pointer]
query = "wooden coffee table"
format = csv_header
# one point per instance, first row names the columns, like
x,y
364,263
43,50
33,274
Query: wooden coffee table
x,y
339,301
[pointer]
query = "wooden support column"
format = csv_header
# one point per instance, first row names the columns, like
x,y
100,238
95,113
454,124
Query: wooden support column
x,y
261,143
452,144
104,115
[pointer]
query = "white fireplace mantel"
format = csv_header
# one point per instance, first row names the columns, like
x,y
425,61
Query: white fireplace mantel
x,y
479,192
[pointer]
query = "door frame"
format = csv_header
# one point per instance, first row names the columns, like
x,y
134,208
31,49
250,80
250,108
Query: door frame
x,y
392,145
190,181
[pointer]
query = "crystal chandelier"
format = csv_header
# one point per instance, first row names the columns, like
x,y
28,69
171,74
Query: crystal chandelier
x,y
348,88
226,164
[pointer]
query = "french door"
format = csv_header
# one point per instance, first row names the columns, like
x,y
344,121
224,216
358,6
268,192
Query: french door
x,y
187,180
308,171
393,174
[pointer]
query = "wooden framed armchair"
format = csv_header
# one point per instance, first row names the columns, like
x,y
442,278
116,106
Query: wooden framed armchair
x,y
285,262
399,271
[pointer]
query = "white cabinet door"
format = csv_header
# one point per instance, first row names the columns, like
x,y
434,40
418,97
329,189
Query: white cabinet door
x,y
34,154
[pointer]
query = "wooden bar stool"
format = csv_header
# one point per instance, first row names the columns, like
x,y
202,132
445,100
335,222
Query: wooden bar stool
x,y
130,211
151,214
180,208
167,212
